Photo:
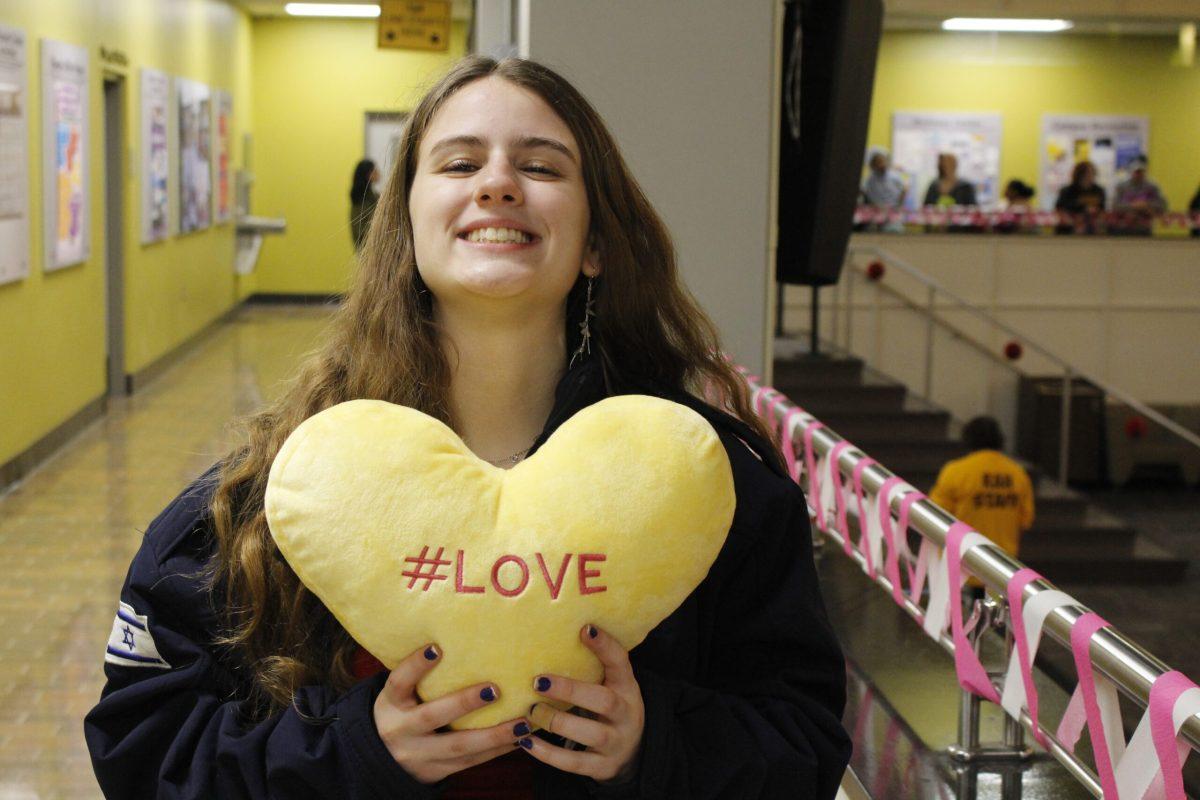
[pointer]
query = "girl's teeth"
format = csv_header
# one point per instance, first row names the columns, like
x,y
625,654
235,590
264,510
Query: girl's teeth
x,y
498,235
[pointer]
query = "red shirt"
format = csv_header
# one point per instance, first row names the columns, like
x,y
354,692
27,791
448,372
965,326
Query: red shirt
x,y
509,777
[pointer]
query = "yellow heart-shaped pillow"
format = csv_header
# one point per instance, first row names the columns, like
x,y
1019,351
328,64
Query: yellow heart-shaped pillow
x,y
409,538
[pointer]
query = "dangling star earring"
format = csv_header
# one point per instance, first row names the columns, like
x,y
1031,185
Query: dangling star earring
x,y
585,332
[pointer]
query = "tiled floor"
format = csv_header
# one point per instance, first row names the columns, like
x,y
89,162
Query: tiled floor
x,y
68,532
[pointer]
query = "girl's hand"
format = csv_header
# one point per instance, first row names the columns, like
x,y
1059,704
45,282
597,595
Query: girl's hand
x,y
409,727
613,737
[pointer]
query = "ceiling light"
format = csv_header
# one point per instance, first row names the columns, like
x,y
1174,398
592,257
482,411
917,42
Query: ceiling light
x,y
332,9
1007,25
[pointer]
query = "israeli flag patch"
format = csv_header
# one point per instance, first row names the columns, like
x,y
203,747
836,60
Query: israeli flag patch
x,y
130,643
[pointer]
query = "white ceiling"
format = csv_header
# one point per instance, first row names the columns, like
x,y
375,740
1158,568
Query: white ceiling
x,y
459,9
1090,16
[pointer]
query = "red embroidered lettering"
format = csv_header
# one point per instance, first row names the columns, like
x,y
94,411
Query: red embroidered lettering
x,y
585,573
500,562
555,586
459,586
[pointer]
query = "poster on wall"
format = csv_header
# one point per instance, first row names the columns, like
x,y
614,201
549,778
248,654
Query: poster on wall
x,y
1110,142
65,105
195,155
14,156
156,155
223,124
919,137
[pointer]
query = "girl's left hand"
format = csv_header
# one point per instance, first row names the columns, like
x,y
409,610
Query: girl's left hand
x,y
613,737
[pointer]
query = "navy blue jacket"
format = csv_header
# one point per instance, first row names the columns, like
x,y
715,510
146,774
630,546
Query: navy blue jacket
x,y
743,684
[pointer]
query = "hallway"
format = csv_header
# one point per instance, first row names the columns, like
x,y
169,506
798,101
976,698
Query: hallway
x,y
68,532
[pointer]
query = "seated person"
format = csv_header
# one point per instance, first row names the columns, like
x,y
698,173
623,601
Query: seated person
x,y
1083,200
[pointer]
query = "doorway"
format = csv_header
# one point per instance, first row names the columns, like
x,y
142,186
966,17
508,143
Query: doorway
x,y
381,140
118,383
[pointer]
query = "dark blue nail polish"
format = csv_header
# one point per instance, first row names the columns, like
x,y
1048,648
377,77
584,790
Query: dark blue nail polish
x,y
430,654
488,694
520,729
592,632
526,743
542,683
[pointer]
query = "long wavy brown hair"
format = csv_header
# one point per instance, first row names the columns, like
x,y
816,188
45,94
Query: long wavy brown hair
x,y
383,344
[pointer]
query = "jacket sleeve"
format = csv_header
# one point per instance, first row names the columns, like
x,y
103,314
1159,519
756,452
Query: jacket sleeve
x,y
768,723
168,724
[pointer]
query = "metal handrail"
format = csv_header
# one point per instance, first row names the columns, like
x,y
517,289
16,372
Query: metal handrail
x,y
1130,667
1070,370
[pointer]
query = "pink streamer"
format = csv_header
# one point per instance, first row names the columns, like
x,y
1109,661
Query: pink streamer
x,y
971,674
1016,605
1163,695
864,543
839,496
788,446
1081,636
916,579
892,558
814,480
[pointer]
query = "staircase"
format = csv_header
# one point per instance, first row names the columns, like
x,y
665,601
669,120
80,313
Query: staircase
x,y
1071,541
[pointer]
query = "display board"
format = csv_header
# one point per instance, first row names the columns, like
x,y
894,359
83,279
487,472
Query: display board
x,y
156,156
65,153
14,156
222,144
195,155
1109,142
919,137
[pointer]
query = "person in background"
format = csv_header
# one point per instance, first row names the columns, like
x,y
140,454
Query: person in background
x,y
986,489
1083,199
883,188
363,198
1139,198
1017,197
1194,207
949,190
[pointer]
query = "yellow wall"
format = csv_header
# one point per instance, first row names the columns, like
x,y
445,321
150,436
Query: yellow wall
x,y
1024,77
52,326
314,81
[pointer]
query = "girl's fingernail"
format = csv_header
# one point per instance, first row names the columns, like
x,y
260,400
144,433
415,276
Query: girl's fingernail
x,y
520,729
488,694
526,743
542,684
592,632
431,654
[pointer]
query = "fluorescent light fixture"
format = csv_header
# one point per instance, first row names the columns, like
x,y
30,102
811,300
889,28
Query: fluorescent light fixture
x,y
332,9
1007,25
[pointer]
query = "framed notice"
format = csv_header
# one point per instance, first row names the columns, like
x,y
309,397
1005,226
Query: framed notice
x,y
222,142
195,155
14,156
919,138
156,156
1110,142
65,103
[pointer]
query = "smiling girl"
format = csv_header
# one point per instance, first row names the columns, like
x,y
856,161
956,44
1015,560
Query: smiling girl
x,y
514,274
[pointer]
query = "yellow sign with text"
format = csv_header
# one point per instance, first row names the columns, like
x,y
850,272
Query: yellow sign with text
x,y
408,25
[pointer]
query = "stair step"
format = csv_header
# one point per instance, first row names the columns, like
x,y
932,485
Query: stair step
x,y
1056,506
1147,563
904,458
820,370
819,398
888,426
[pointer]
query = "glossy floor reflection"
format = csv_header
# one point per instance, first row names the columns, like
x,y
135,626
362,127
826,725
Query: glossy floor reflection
x,y
68,532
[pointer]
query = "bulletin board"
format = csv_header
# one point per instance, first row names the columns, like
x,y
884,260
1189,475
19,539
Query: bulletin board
x,y
65,151
14,156
1110,142
195,155
156,156
975,138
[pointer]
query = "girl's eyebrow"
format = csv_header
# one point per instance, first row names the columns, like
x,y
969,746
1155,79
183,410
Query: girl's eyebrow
x,y
520,143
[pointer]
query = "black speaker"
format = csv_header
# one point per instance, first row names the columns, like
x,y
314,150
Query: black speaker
x,y
829,51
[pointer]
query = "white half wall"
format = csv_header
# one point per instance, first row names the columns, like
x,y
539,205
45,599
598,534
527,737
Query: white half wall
x,y
687,88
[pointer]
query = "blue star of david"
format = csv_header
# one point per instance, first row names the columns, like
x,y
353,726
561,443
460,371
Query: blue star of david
x,y
127,639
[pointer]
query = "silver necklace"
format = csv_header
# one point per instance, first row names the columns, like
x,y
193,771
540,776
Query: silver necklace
x,y
513,459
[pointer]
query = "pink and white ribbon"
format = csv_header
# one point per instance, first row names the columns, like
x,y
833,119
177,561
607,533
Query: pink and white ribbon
x,y
814,477
791,420
971,674
838,491
1027,621
1153,763
1094,703
869,534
